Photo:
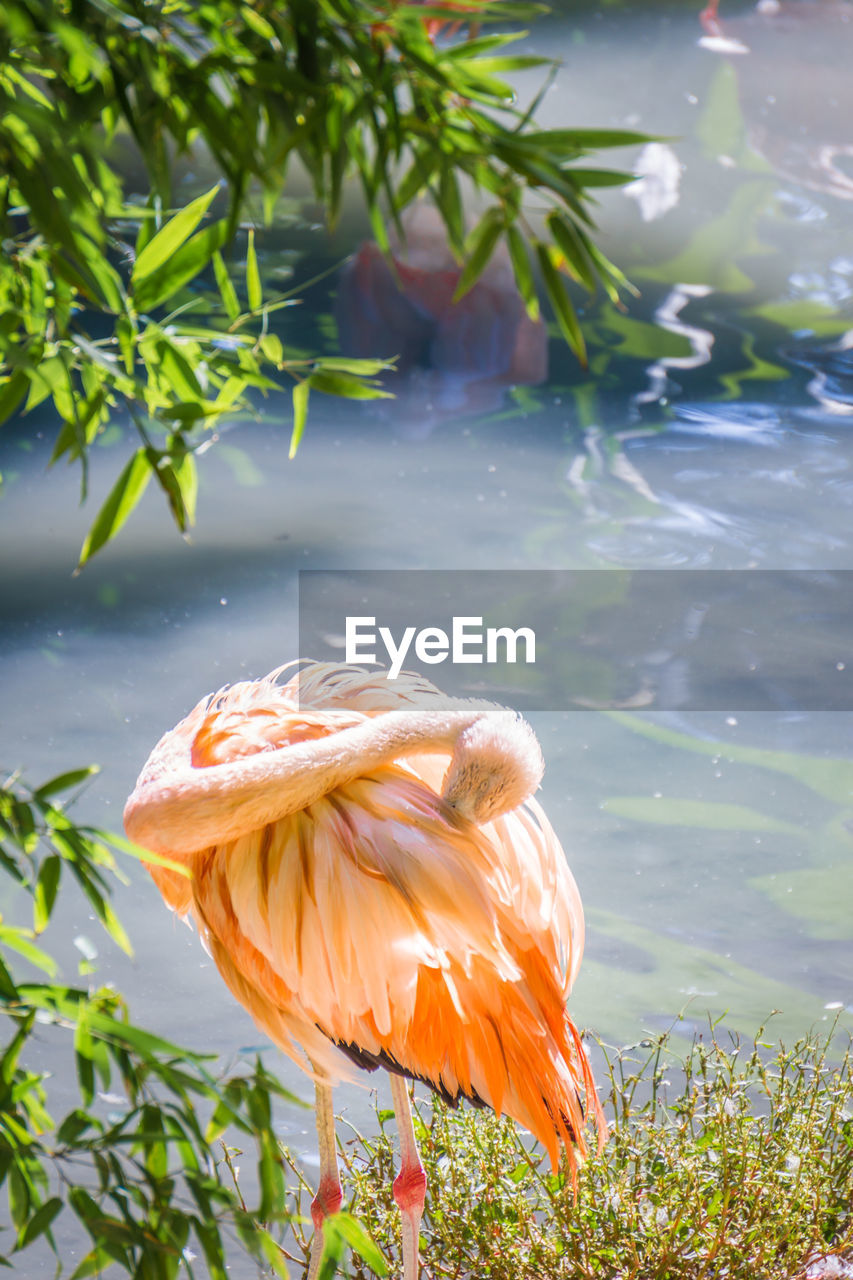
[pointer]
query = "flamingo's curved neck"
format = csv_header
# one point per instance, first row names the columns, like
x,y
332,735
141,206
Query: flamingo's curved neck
x,y
178,809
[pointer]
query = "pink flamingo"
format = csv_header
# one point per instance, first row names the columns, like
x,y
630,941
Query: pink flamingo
x,y
377,885
459,356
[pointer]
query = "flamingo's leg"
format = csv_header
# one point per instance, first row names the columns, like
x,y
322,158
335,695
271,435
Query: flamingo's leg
x,y
410,1183
329,1194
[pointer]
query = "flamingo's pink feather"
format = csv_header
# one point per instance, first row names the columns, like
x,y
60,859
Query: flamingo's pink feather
x,y
379,917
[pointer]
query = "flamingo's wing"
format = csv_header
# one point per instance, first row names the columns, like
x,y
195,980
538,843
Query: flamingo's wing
x,y
377,920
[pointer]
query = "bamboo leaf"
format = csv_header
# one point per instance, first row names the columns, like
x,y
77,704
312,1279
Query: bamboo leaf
x,y
12,392
257,22
40,1222
44,893
422,168
480,247
521,268
273,1253
366,368
147,856
122,499
65,781
170,237
253,276
482,45
270,344
341,1229
270,1177
585,139
94,1264
182,267
450,206
512,62
19,1198
115,928
186,474
147,226
301,392
19,940
227,292
573,250
562,304
345,384
600,177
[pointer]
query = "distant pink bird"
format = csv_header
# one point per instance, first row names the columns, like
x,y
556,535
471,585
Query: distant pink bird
x,y
452,357
376,884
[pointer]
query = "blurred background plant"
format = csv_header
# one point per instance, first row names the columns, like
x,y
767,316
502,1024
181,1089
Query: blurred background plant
x,y
128,306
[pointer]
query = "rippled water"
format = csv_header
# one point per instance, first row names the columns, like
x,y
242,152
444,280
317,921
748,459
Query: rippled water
x,y
713,430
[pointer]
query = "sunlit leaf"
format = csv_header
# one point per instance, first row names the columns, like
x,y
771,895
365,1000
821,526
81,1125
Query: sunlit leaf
x,y
19,940
170,237
479,246
257,22
123,497
115,928
450,206
365,368
253,277
270,1177
175,472
344,384
19,1198
271,345
226,288
94,1264
600,177
479,46
66,781
512,62
523,274
44,893
570,244
12,391
186,473
562,304
562,140
301,392
183,266
343,1228
273,1253
40,1222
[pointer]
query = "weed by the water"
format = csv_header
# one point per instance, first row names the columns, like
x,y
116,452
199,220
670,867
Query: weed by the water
x,y
735,1161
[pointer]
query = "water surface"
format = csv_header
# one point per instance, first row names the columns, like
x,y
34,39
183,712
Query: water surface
x,y
712,430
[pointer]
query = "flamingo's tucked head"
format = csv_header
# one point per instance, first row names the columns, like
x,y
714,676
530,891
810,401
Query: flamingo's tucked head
x,y
496,766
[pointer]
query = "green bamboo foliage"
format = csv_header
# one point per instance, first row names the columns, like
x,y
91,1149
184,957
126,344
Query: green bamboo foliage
x,y
147,1178
114,310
